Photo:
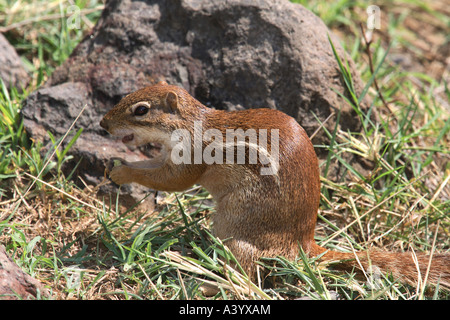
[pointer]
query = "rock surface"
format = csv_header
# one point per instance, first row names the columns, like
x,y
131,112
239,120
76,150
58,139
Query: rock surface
x,y
12,71
228,54
14,283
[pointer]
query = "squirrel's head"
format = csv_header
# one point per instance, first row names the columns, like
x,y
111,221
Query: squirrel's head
x,y
147,117
151,105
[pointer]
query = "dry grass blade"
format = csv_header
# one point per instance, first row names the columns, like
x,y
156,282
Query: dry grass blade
x,y
50,17
234,281
65,193
377,206
56,148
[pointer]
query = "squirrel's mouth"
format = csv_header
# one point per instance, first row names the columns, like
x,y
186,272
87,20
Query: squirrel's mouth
x,y
150,149
128,138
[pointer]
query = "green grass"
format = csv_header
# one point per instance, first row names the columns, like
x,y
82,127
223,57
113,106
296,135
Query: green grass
x,y
84,247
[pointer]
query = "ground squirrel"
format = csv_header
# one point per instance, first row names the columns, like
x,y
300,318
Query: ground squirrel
x,y
261,214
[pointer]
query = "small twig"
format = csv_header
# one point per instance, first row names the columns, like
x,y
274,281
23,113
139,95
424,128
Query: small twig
x,y
368,42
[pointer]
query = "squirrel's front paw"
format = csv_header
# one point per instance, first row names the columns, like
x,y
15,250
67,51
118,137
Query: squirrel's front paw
x,y
114,162
120,175
118,171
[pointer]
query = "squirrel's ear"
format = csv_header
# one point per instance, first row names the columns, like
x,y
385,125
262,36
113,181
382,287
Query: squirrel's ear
x,y
171,101
162,83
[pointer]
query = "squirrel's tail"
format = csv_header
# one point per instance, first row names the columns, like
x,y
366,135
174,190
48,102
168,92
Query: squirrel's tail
x,y
408,267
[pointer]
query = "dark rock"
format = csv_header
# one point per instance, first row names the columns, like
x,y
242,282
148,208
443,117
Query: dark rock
x,y
228,54
11,69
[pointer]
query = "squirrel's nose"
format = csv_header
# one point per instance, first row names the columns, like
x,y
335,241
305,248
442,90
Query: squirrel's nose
x,y
104,124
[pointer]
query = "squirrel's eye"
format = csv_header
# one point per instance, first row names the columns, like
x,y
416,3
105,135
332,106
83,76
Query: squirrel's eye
x,y
140,110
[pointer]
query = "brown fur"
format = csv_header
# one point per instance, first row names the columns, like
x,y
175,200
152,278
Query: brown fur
x,y
260,215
